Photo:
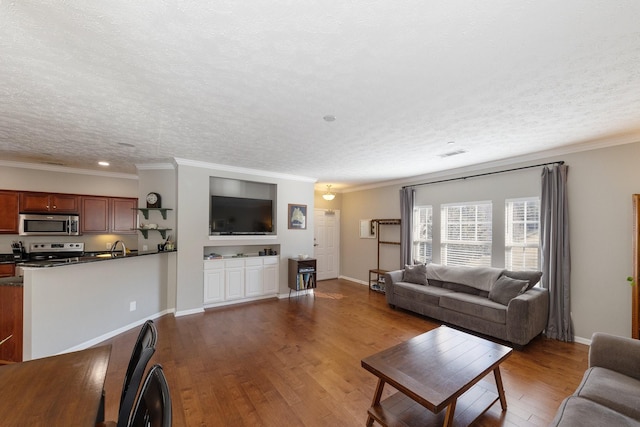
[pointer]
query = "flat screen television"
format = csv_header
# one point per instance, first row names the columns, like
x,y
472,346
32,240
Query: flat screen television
x,y
240,215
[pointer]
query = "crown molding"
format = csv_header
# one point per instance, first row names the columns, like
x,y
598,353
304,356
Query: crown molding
x,y
155,166
246,171
510,161
65,169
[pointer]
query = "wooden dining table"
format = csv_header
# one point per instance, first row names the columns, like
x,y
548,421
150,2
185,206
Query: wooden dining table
x,y
62,390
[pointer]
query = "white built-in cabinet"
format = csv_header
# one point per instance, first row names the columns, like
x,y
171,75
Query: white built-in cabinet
x,y
240,279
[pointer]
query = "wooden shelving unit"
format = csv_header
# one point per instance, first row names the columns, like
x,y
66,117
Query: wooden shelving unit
x,y
302,274
376,275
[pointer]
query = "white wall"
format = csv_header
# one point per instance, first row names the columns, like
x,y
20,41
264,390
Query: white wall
x,y
193,223
75,306
600,186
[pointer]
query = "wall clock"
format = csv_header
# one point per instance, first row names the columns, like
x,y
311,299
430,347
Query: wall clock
x,y
153,200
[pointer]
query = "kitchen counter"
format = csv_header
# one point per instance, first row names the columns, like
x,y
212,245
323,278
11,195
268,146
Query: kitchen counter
x,y
94,257
74,305
11,281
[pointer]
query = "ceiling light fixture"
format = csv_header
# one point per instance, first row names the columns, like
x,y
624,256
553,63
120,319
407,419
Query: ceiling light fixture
x,y
103,163
329,195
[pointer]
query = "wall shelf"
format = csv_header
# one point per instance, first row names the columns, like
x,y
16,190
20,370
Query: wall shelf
x,y
145,211
162,231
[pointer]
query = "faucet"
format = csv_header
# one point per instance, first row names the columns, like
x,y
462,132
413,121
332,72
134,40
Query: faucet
x,y
124,248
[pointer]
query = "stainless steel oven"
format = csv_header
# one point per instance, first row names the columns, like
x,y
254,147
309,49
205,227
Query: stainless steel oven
x,y
49,225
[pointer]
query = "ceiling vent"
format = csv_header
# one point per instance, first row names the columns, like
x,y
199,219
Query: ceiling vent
x,y
452,153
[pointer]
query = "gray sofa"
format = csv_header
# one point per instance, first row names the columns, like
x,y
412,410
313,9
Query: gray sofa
x,y
609,394
495,302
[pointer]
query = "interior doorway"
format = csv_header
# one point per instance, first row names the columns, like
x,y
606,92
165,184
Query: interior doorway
x,y
326,243
635,292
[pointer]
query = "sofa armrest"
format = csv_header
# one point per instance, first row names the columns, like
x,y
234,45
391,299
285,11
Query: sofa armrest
x,y
527,315
620,354
390,278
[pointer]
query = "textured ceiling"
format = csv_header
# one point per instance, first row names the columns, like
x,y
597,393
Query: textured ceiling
x,y
247,82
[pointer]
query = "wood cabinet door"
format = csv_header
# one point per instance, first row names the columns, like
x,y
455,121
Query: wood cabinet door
x,y
45,202
34,202
9,212
11,322
94,215
123,215
7,270
63,203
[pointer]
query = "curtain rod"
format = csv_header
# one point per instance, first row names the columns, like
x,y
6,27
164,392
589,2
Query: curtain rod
x,y
560,162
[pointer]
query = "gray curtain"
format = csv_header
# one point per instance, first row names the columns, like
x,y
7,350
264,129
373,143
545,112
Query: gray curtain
x,y
407,197
555,255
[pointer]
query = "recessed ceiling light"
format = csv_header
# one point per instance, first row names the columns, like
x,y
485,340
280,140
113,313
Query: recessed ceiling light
x,y
329,118
103,163
451,142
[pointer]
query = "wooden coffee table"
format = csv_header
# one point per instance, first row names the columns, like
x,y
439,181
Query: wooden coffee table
x,y
437,370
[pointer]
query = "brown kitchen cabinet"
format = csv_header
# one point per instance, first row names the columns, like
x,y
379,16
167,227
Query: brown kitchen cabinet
x,y
11,323
7,270
49,202
123,215
9,212
108,215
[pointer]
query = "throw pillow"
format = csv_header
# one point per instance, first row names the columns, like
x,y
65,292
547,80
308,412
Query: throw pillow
x,y
415,274
505,289
533,277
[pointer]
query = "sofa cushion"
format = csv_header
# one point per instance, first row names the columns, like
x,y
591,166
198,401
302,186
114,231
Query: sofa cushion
x,y
415,274
533,277
463,288
427,294
475,306
576,411
612,389
505,289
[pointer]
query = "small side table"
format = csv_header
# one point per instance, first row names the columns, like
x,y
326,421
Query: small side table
x,y
376,280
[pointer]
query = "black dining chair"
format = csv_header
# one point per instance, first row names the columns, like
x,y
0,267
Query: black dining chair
x,y
153,407
143,349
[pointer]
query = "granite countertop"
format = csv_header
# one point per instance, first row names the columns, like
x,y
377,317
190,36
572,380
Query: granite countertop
x,y
11,281
87,258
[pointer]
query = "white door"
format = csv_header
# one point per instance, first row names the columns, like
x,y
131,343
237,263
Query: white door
x,y
327,243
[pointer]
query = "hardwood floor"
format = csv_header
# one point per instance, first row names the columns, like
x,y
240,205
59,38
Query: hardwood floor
x,y
297,363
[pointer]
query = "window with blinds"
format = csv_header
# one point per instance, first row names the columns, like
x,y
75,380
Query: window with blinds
x,y
422,235
466,234
522,234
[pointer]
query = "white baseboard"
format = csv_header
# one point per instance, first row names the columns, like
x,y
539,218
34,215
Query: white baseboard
x,y
113,333
351,279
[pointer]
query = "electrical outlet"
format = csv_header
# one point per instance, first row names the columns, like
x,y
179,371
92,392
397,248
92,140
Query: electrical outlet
x,y
145,247
109,244
132,306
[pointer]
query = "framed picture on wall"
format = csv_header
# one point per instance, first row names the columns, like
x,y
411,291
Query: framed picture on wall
x,y
297,216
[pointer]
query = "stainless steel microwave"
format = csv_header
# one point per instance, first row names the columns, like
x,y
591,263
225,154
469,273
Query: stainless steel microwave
x,y
49,225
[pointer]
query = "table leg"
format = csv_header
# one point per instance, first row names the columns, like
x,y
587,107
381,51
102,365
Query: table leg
x,y
376,399
448,418
498,377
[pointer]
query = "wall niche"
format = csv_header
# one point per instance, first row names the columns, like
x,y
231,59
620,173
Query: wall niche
x,y
238,207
